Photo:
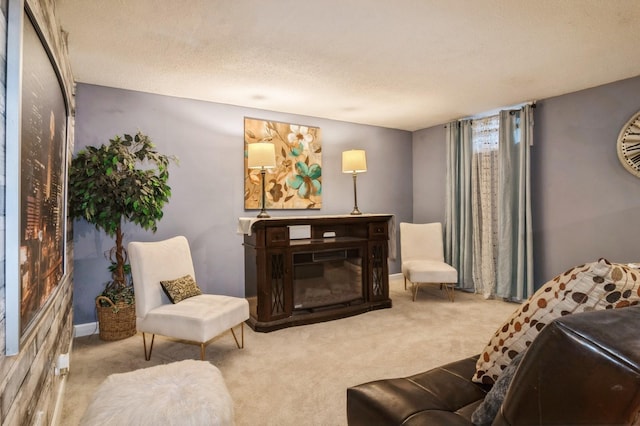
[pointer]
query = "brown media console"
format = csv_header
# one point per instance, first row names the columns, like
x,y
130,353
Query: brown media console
x,y
301,270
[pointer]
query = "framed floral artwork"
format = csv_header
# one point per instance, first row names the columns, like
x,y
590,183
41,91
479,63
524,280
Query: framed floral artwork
x,y
296,180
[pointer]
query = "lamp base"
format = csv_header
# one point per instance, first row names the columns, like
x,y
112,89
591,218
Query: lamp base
x,y
356,211
263,213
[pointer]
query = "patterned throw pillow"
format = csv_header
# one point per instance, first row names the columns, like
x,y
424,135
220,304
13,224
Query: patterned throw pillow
x,y
593,286
181,288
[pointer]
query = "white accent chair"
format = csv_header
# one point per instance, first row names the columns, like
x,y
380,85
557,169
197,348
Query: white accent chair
x,y
197,319
421,248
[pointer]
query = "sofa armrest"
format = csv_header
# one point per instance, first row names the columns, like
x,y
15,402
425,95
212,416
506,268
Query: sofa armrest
x,y
583,368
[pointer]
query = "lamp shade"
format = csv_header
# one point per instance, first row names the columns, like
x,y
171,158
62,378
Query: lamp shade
x,y
354,161
261,155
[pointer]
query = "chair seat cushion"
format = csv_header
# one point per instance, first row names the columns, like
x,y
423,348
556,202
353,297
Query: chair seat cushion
x,y
198,319
429,271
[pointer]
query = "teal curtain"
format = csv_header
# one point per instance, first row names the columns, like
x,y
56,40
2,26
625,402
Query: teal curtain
x,y
514,278
458,214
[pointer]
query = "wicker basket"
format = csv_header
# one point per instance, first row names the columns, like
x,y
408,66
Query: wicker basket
x,y
117,321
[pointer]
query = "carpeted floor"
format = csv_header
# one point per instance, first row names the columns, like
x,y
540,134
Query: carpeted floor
x,y
299,375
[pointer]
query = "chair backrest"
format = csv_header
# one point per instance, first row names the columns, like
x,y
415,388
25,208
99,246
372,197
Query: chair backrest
x,y
154,262
421,241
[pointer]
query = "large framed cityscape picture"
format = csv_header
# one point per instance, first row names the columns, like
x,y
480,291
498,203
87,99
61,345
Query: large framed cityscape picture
x,y
42,169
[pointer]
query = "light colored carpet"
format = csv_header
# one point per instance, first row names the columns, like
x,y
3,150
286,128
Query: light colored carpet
x,y
299,375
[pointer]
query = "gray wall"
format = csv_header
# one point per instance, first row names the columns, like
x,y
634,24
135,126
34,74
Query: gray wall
x,y
207,185
429,174
585,205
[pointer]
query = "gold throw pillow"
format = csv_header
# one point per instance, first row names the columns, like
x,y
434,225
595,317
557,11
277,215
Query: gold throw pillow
x,y
180,288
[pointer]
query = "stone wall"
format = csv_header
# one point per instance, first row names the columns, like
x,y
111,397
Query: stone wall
x,y
29,389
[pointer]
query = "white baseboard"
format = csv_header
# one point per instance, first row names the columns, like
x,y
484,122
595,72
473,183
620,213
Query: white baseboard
x,y
87,329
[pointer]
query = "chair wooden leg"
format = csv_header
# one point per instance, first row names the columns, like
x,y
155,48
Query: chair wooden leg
x,y
202,351
240,344
449,289
405,283
416,286
147,356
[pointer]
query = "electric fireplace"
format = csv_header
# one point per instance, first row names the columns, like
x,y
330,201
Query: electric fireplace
x,y
336,268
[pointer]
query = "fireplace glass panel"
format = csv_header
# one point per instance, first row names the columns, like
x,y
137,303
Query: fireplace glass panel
x,y
327,278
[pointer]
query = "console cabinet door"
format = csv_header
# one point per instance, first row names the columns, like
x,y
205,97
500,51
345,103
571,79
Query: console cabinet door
x,y
276,300
378,271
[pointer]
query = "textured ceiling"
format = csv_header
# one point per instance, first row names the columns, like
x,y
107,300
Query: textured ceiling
x,y
405,64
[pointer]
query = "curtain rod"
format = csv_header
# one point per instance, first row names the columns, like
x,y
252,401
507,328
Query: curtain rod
x,y
512,109
515,107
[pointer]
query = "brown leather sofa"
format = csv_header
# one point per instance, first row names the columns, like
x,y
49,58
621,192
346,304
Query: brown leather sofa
x,y
582,368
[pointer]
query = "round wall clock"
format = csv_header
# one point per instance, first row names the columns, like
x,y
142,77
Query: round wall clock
x,y
629,145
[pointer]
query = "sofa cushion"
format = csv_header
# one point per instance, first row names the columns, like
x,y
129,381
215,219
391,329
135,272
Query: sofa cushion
x,y
593,286
443,395
181,288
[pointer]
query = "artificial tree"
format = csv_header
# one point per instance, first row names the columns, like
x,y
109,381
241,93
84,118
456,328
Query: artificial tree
x,y
124,181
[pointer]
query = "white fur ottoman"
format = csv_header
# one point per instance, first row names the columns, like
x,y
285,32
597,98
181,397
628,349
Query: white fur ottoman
x,y
181,393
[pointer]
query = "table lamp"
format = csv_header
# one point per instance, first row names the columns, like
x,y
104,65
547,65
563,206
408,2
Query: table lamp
x,y
261,155
354,161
